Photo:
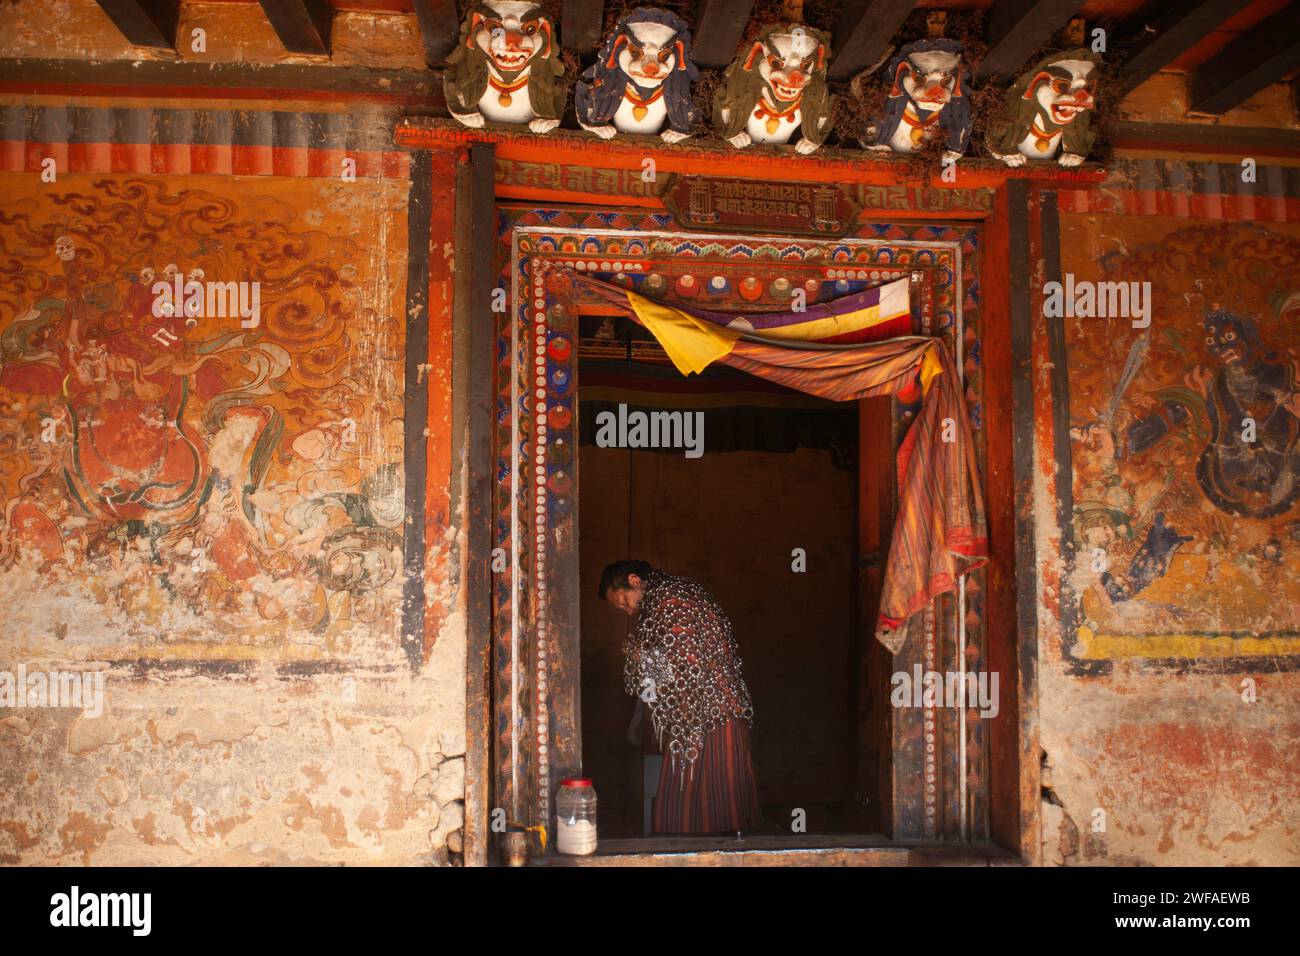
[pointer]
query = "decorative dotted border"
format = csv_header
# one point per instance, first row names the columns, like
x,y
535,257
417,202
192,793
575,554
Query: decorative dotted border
x,y
540,262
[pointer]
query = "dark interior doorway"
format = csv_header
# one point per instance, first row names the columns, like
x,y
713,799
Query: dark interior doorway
x,y
779,472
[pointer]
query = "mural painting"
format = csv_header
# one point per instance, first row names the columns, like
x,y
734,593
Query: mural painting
x,y
1185,440
181,477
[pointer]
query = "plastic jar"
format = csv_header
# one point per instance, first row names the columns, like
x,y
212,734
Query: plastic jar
x,y
575,811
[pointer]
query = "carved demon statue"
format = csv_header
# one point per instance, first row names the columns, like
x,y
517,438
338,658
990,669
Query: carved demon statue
x,y
641,80
1048,112
775,88
506,68
929,98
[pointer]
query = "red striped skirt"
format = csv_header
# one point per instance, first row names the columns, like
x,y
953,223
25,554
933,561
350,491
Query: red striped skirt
x,y
718,794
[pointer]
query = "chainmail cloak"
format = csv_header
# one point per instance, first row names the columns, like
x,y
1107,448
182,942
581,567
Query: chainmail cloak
x,y
682,660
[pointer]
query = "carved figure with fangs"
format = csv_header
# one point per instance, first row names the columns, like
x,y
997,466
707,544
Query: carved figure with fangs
x,y
1048,113
641,80
775,88
506,68
929,99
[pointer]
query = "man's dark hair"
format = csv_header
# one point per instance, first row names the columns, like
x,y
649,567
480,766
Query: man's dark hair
x,y
615,575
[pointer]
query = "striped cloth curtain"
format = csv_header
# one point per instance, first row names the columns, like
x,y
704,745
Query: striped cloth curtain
x,y
940,531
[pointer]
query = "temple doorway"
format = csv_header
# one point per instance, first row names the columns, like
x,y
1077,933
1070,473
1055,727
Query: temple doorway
x,y
559,710
764,514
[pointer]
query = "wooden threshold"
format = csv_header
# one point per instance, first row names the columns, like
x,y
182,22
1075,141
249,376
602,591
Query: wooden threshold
x,y
781,850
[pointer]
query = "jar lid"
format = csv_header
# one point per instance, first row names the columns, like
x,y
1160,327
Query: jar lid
x,y
576,782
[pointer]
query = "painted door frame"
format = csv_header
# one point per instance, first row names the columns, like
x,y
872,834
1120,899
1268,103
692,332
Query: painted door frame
x,y
1007,214
936,774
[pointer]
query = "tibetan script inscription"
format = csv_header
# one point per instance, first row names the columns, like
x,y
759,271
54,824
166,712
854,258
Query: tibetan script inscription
x,y
572,179
813,209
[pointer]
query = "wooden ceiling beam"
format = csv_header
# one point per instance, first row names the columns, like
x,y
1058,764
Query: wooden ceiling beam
x,y
439,28
150,23
1172,35
1018,29
864,32
169,80
719,27
1263,55
303,26
580,25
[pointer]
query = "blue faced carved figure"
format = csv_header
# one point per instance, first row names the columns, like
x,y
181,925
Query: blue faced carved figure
x,y
1251,394
929,100
641,80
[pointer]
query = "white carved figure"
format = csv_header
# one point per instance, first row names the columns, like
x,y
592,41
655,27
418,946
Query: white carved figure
x,y
506,68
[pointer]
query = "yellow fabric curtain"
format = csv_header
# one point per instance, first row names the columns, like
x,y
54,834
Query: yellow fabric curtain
x,y
693,344
940,530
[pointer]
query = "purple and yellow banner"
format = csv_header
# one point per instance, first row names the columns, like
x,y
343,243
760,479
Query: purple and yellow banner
x,y
694,338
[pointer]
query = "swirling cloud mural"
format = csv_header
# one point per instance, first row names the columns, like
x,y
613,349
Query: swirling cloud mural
x,y
217,473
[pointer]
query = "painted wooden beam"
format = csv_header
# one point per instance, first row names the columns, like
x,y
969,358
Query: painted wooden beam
x,y
1170,36
580,25
150,23
1017,29
719,26
439,28
865,29
1185,138
1000,611
1261,56
473,347
303,26
1020,741
415,432
164,79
